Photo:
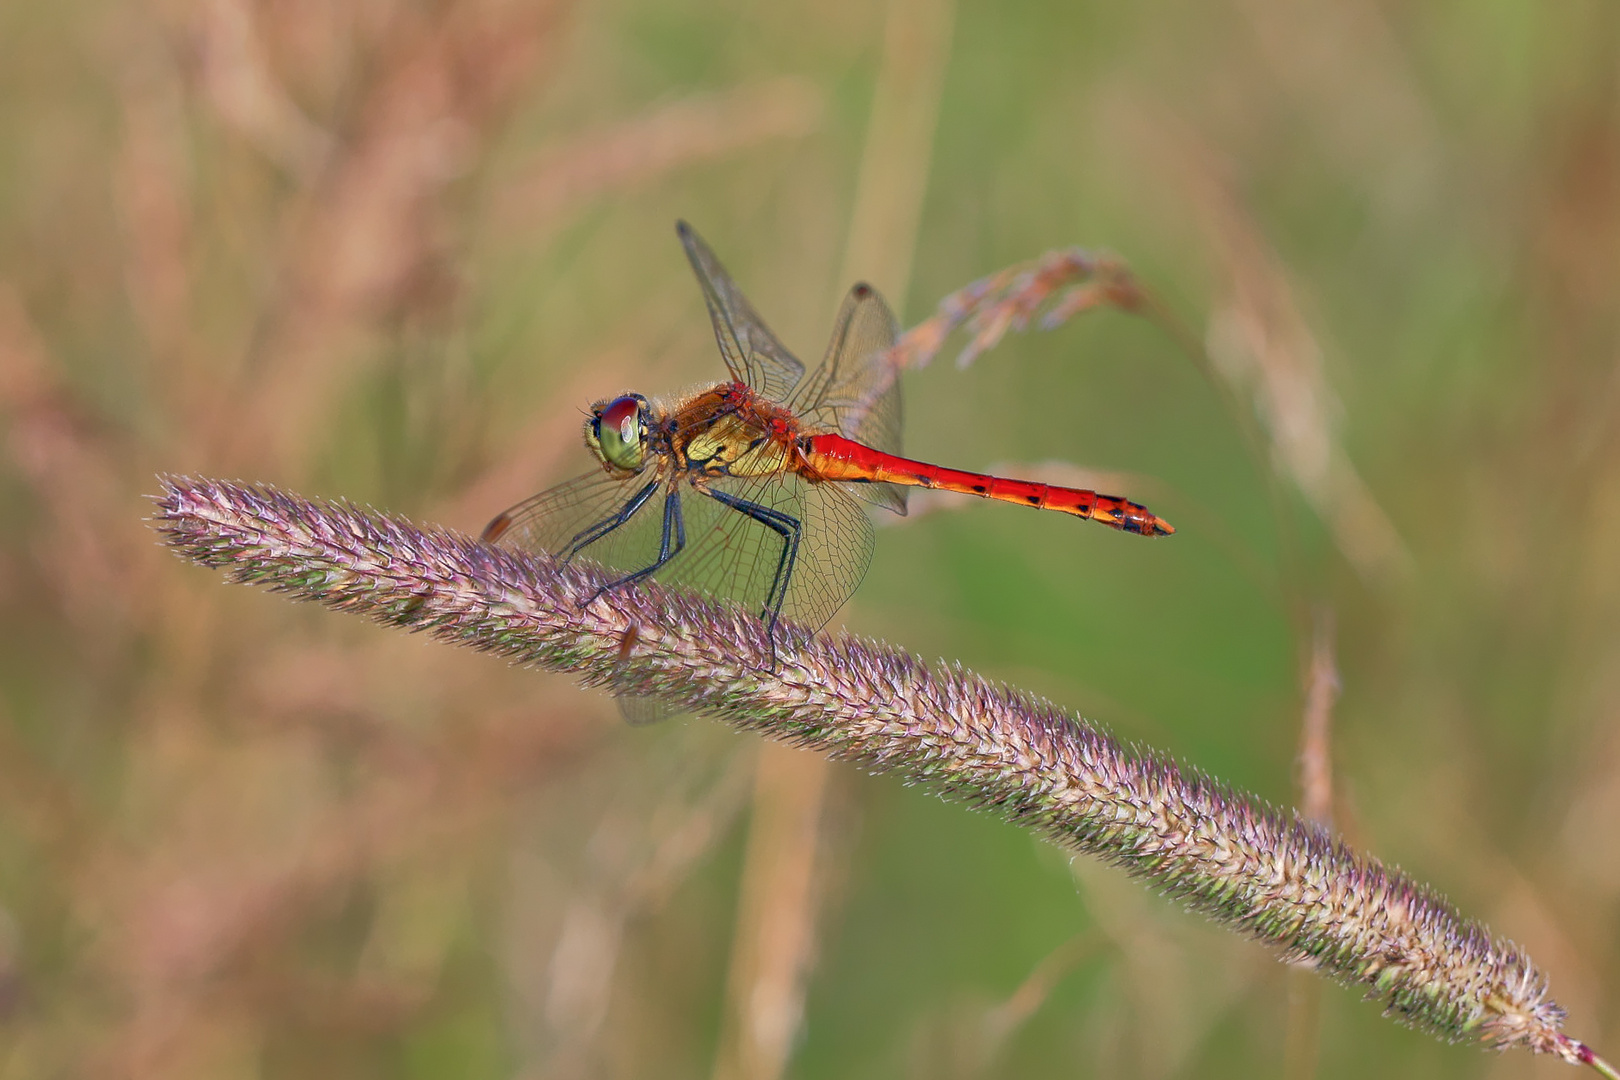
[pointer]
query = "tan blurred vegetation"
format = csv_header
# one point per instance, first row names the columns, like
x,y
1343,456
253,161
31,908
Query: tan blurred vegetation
x,y
389,251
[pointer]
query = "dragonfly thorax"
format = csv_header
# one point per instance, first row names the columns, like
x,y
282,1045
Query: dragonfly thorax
x,y
617,432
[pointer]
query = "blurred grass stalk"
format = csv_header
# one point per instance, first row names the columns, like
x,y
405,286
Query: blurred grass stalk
x,y
1275,877
774,943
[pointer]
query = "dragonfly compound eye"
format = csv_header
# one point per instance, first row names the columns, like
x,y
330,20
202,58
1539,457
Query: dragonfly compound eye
x,y
617,432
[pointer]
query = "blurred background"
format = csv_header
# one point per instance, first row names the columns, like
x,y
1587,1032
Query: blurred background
x,y
390,251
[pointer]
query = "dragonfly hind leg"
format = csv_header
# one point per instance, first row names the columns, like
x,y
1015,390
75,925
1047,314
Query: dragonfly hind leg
x,y
790,529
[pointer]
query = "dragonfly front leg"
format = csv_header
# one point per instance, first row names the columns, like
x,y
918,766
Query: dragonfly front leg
x,y
589,536
673,540
790,529
669,546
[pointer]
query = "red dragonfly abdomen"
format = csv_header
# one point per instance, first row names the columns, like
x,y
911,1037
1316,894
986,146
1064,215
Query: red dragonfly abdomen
x,y
834,457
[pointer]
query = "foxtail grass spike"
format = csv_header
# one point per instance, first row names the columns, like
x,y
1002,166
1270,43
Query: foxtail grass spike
x,y
1245,864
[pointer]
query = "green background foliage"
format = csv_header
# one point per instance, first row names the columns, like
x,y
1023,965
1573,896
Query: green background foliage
x,y
391,252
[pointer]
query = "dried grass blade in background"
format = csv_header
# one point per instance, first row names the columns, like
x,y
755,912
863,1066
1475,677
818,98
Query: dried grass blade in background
x,y
1302,1041
1259,348
1262,346
1270,875
774,946
1064,282
650,145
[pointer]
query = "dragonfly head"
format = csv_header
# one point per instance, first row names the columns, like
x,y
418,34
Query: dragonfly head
x,y
617,432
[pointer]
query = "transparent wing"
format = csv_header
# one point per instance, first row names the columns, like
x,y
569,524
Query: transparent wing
x,y
751,351
554,519
738,555
728,554
551,520
639,711
856,390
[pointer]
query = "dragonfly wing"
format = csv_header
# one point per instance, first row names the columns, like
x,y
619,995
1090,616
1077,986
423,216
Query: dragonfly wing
x,y
836,551
554,519
856,390
751,351
732,556
739,556
728,555
639,711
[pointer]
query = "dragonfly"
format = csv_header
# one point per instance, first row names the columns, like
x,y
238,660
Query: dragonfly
x,y
752,489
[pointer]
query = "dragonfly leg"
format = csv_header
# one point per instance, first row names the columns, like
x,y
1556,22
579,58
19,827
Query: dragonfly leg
x,y
790,529
671,544
591,535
